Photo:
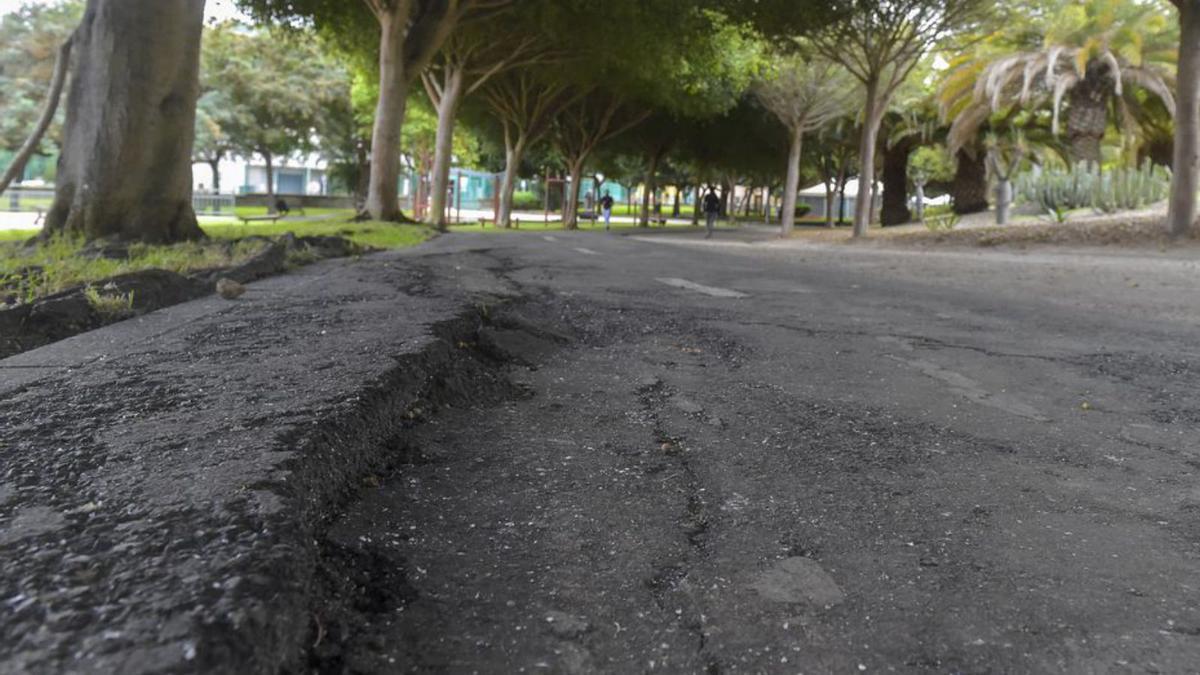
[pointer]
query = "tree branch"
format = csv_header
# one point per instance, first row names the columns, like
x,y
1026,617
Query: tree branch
x,y
54,95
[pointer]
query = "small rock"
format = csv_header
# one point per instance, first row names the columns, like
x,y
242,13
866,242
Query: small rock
x,y
686,405
566,626
799,580
230,289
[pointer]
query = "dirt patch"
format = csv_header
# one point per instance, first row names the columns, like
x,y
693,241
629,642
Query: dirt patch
x,y
1115,230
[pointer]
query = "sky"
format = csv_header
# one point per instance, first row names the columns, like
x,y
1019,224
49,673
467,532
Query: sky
x,y
213,9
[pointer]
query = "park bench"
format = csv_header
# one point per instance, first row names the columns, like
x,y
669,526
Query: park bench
x,y
272,217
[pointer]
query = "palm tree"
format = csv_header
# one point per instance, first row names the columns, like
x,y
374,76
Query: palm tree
x,y
1096,55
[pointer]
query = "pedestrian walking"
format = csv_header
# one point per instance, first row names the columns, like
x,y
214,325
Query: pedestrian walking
x,y
712,209
606,204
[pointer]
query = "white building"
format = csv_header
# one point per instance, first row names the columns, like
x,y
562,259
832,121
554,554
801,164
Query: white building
x,y
298,175
815,198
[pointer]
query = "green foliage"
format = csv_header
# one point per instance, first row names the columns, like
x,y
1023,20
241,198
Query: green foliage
x,y
527,201
265,91
29,42
930,163
1059,191
943,222
802,210
109,304
1128,189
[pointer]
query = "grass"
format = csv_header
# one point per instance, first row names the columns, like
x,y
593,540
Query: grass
x,y
251,211
27,273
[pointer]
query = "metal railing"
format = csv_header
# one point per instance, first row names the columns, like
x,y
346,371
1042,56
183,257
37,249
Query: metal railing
x,y
29,200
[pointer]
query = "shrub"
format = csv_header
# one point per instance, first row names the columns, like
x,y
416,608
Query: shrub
x,y
942,223
802,210
527,201
111,306
1058,191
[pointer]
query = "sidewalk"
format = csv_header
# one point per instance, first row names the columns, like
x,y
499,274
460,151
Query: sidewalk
x,y
161,478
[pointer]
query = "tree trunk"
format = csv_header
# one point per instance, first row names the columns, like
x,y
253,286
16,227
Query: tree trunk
x,y
1087,116
215,165
1004,196
270,160
696,205
1182,216
514,151
791,185
651,185
866,155
676,206
383,197
829,194
571,205
766,205
895,183
968,190
726,196
920,190
57,83
126,164
447,112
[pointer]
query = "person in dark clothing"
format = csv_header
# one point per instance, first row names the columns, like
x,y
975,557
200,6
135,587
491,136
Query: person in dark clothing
x,y
281,207
712,209
606,204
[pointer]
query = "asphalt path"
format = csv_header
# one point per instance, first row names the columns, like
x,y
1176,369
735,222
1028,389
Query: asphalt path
x,y
751,456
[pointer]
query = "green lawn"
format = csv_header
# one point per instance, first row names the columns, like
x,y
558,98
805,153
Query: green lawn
x,y
251,211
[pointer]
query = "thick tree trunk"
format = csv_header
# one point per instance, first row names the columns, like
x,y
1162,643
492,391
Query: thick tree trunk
x,y
895,183
1087,115
571,206
444,148
514,151
866,160
383,196
651,184
676,206
1182,215
126,165
968,190
791,185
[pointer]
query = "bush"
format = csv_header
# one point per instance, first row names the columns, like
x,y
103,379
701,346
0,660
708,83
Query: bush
x,y
1058,191
943,222
802,210
527,201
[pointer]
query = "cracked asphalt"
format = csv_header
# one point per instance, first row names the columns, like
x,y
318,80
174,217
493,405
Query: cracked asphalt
x,y
765,457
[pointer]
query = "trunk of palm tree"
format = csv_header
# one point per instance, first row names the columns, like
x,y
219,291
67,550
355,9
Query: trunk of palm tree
x,y
1004,197
895,183
126,164
1087,116
1182,216
968,190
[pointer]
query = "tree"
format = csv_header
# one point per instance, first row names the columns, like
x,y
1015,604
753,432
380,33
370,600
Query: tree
x,y
580,127
525,106
410,33
1186,165
1004,157
126,166
804,95
880,42
471,56
35,45
1095,55
272,88
928,164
